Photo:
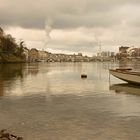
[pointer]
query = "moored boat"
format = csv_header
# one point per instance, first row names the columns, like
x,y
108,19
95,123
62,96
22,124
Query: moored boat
x,y
126,75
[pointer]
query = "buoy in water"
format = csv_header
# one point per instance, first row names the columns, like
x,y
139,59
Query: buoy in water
x,y
83,76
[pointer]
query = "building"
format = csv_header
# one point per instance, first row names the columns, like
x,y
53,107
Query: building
x,y
123,49
43,55
33,55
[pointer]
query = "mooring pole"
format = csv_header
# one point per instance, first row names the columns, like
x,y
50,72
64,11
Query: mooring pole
x,y
109,77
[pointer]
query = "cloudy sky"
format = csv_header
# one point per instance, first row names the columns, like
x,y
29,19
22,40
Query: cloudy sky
x,y
69,26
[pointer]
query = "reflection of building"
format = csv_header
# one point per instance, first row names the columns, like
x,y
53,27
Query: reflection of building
x,y
34,70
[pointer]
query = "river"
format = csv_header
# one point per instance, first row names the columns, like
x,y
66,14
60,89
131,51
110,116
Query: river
x,y
50,101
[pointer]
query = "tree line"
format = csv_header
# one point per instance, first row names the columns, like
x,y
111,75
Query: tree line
x,y
8,45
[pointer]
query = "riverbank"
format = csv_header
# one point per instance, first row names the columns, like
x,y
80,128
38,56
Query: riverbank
x,y
10,58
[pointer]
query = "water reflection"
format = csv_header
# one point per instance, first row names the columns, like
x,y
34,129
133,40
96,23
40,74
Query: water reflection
x,y
57,78
8,73
13,75
50,101
71,117
126,88
52,78
32,69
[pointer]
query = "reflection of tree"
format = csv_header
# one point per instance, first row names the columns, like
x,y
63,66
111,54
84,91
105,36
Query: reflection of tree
x,y
8,72
33,68
1,88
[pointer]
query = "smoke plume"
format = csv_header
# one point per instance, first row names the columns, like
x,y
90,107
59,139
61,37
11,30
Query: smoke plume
x,y
48,29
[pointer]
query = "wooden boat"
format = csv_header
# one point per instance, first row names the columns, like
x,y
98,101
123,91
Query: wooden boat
x,y
126,75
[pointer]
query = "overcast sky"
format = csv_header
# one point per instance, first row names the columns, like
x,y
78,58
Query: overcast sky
x,y
72,25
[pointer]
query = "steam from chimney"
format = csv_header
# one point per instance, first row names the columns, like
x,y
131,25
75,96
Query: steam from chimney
x,y
48,29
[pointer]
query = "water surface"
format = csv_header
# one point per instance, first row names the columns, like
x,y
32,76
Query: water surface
x,y
50,101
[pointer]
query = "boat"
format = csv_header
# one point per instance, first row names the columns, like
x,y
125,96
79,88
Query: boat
x,y
126,88
126,75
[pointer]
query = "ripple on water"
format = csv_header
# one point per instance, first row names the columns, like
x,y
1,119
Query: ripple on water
x,y
52,102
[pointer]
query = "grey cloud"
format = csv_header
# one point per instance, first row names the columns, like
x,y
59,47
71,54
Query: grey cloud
x,y
37,22
82,46
64,13
109,21
75,48
134,22
97,20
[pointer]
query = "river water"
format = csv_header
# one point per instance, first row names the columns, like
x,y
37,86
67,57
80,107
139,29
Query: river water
x,y
50,101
